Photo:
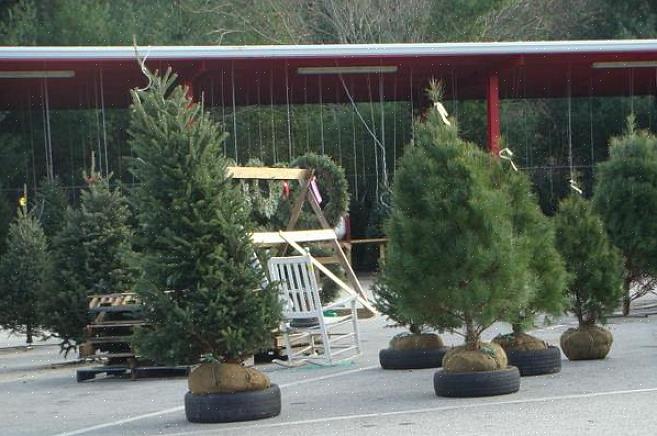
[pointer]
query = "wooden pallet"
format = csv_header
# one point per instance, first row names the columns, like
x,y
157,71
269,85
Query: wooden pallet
x,y
135,373
118,299
108,335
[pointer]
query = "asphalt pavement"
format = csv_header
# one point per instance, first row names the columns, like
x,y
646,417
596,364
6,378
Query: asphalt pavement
x,y
616,396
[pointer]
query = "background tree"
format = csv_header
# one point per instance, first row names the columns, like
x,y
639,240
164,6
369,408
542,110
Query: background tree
x,y
92,256
50,205
25,272
5,220
594,264
626,198
201,293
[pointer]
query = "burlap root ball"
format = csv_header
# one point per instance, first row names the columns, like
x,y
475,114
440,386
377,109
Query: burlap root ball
x,y
489,357
408,341
586,343
520,342
213,378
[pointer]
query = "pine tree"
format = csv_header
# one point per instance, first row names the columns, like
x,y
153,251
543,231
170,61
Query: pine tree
x,y
626,199
25,275
92,256
595,265
200,292
50,203
547,274
453,257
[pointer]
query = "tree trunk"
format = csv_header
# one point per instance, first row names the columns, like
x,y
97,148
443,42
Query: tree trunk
x,y
626,296
471,335
28,332
517,328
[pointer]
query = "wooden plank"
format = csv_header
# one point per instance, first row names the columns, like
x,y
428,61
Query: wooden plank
x,y
110,339
268,173
360,296
275,238
318,211
298,205
114,324
342,259
328,260
369,241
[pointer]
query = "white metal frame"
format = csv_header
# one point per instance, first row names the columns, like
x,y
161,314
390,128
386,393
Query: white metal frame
x,y
299,292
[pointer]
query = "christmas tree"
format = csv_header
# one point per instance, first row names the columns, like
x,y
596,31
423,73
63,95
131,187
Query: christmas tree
x,y
626,198
596,270
202,295
547,276
92,256
25,275
454,259
595,265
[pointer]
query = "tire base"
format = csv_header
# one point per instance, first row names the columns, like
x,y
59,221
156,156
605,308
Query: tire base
x,y
476,384
239,406
412,359
536,362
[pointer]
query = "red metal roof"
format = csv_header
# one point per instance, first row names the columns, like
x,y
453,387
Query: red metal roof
x,y
270,74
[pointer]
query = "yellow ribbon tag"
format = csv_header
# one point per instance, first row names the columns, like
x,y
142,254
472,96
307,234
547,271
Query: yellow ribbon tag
x,y
574,187
442,112
22,201
507,154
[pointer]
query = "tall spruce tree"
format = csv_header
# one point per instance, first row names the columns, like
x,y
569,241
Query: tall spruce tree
x,y
454,259
92,256
25,275
626,198
201,294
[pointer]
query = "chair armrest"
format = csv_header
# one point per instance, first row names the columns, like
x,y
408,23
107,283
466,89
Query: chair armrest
x,y
343,302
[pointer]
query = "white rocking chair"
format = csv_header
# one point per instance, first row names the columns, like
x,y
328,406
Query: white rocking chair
x,y
303,316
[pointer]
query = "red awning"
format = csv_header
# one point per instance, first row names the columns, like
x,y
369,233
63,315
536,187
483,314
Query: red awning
x,y
75,77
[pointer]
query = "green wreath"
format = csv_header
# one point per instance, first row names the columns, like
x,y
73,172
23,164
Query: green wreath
x,y
263,197
333,188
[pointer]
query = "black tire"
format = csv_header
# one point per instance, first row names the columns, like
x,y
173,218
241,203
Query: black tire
x,y
476,384
536,362
412,359
240,406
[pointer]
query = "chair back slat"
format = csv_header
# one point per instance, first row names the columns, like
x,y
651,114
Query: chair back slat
x,y
298,286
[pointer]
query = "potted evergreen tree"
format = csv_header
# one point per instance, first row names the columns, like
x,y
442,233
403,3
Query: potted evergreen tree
x,y
25,275
626,199
453,256
203,299
596,270
546,281
413,349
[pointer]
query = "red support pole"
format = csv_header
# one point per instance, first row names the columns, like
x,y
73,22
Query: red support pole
x,y
493,106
